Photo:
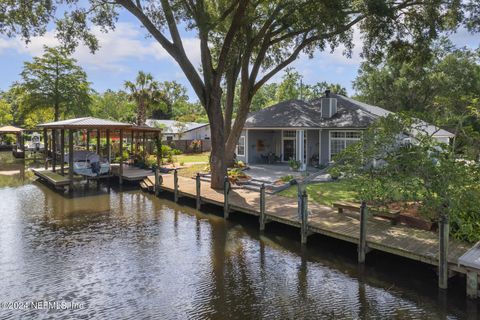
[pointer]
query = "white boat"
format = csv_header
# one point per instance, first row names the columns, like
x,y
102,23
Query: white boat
x,y
89,164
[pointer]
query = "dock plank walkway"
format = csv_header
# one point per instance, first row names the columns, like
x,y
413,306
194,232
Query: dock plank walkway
x,y
415,244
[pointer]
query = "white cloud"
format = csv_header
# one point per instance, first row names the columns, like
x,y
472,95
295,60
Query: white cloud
x,y
125,44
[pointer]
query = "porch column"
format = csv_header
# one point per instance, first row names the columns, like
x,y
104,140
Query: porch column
x,y
300,146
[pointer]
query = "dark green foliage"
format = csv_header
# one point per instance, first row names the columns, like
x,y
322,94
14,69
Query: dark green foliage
x,y
384,167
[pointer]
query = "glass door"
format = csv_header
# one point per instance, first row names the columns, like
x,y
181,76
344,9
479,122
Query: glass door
x,y
288,149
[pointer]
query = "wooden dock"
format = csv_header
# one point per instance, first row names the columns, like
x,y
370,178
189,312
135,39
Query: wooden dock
x,y
415,244
55,179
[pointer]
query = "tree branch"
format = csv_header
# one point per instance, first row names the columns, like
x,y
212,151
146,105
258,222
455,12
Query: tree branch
x,y
185,64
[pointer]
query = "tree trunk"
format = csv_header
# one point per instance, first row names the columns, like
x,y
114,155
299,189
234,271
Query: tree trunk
x,y
218,166
141,113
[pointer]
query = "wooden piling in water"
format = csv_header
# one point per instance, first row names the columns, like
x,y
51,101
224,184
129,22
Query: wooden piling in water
x,y
157,181
45,147
472,284
362,241
70,160
304,215
443,233
197,188
175,185
226,191
62,152
54,150
120,169
262,207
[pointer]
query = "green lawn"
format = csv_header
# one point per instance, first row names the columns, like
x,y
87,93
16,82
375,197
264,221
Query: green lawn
x,y
192,170
192,157
325,193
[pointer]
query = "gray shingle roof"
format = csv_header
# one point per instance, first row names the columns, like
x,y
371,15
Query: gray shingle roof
x,y
174,127
302,114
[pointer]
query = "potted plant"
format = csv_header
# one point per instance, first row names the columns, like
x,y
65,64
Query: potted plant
x,y
294,164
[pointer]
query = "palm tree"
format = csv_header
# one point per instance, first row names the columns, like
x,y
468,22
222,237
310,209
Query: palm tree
x,y
145,92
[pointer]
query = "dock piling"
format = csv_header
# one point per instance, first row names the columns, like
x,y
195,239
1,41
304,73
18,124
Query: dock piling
x,y
70,160
472,284
226,191
198,184
304,215
175,185
262,207
362,241
444,230
157,181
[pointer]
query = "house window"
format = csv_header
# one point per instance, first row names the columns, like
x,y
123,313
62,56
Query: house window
x,y
289,133
241,147
339,140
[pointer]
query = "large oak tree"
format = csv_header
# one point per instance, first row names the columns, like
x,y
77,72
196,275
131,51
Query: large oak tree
x,y
244,41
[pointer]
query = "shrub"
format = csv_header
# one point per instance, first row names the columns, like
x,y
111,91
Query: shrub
x,y
239,164
286,178
294,164
195,146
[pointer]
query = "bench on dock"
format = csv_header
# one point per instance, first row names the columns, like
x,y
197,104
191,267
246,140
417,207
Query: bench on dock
x,y
393,216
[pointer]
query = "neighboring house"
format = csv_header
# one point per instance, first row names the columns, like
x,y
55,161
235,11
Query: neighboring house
x,y
175,130
312,132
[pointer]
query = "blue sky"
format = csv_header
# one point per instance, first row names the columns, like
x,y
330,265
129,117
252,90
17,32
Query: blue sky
x,y
127,50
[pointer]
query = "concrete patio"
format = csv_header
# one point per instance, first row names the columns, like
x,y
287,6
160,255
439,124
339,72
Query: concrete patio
x,y
269,173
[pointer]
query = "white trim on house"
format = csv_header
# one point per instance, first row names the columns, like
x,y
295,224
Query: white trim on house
x,y
247,146
244,146
344,139
320,146
294,148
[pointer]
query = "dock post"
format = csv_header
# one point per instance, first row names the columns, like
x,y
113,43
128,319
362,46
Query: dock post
x,y
198,184
45,146
54,150
262,207
157,181
70,160
226,191
304,211
175,185
362,241
472,284
120,169
62,151
444,230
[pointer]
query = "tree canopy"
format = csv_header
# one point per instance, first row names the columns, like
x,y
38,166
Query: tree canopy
x,y
53,80
445,80
146,93
114,105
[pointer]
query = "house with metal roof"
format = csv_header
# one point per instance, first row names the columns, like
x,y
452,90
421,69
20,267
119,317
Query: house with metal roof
x,y
312,132
173,130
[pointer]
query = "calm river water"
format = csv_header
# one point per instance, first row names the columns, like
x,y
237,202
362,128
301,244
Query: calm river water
x,y
124,254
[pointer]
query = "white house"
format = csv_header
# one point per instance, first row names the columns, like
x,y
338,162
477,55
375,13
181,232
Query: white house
x,y
175,130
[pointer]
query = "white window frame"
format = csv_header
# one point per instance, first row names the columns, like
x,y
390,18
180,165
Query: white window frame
x,y
294,138
330,138
244,146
